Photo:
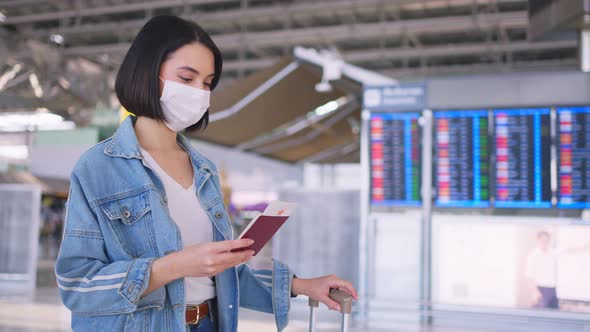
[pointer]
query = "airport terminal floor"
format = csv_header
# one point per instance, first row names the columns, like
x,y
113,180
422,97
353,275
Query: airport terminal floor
x,y
47,314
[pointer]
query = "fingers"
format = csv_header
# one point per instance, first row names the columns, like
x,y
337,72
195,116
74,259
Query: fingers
x,y
333,305
230,259
220,262
345,286
224,246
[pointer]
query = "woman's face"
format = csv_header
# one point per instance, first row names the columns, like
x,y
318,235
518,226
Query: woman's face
x,y
193,65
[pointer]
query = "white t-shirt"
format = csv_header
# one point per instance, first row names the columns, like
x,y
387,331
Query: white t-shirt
x,y
194,224
541,267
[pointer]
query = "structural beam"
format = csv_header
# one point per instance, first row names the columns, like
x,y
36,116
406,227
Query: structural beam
x,y
541,65
333,34
401,53
248,13
455,50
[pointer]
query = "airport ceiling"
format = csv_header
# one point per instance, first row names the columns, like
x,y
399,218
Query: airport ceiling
x,y
64,54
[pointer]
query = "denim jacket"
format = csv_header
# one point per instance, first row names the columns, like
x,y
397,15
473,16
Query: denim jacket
x,y
117,224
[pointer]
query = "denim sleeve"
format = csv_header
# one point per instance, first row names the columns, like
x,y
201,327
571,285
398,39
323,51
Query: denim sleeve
x,y
89,283
267,290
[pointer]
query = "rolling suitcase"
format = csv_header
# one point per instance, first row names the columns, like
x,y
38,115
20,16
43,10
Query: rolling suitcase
x,y
345,301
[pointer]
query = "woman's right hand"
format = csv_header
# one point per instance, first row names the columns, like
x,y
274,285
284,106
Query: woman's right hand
x,y
211,258
199,260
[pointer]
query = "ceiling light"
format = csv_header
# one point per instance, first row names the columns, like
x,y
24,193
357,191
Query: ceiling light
x,y
329,107
10,74
57,38
34,80
323,87
64,82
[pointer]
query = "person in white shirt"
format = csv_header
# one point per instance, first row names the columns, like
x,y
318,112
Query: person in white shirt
x,y
541,271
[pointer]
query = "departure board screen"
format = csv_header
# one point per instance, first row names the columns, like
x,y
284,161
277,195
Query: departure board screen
x,y
395,159
523,158
462,158
573,143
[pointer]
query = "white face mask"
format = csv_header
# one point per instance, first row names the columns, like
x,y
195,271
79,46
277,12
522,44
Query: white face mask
x,y
183,105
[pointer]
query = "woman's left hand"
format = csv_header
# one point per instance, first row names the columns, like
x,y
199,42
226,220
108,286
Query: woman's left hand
x,y
319,289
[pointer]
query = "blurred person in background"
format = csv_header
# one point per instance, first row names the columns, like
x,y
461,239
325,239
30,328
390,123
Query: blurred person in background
x,y
147,240
541,271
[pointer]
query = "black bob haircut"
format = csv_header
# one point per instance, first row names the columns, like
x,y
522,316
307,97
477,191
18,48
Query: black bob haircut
x,y
138,85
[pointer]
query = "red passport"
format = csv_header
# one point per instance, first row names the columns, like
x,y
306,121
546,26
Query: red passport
x,y
262,228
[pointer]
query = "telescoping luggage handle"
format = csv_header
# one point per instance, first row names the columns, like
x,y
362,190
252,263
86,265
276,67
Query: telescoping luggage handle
x,y
345,301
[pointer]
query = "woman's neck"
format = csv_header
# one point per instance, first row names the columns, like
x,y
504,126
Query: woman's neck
x,y
154,135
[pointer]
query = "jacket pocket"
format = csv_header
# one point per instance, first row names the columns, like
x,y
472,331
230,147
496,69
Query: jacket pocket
x,y
130,219
219,214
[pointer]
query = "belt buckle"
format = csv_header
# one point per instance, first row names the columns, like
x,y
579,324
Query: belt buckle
x,y
196,321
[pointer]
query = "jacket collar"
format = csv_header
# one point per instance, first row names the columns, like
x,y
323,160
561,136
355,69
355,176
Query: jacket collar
x,y
124,144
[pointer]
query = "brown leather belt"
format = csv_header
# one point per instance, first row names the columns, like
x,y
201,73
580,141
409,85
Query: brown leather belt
x,y
194,313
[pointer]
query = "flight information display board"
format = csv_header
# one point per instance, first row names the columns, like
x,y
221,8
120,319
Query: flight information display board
x,y
573,144
523,158
395,157
462,158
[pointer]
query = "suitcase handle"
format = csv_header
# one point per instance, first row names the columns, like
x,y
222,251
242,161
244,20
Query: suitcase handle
x,y
342,298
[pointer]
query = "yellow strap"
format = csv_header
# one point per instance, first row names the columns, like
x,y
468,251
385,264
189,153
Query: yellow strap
x,y
123,114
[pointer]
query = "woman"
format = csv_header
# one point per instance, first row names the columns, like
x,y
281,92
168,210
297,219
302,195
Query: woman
x,y
147,240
